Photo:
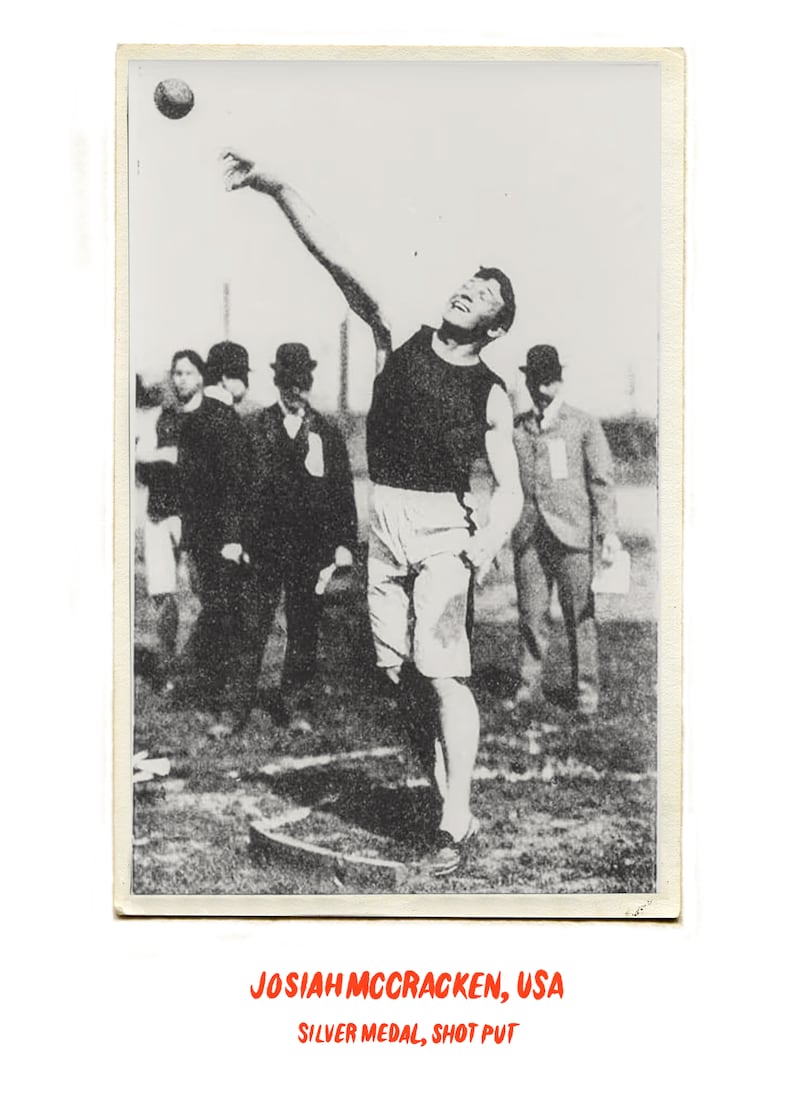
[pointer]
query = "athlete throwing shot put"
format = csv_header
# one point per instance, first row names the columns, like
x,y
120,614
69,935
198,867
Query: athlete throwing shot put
x,y
436,408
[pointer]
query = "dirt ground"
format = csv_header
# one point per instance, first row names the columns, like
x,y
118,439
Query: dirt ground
x,y
565,806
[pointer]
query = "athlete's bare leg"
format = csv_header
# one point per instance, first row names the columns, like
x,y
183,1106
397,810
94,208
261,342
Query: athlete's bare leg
x,y
460,729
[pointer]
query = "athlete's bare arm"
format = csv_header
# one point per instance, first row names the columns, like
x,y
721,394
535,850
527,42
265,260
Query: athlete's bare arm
x,y
242,173
505,505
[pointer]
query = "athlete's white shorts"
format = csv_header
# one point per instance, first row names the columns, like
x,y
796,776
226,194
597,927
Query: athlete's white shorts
x,y
418,582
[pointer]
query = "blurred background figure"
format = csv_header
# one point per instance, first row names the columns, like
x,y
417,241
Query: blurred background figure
x,y
301,520
158,427
566,471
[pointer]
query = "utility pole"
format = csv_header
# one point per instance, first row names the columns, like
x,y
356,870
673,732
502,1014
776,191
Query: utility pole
x,y
632,389
344,367
226,309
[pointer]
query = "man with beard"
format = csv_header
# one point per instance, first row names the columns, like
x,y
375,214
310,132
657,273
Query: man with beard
x,y
301,520
436,408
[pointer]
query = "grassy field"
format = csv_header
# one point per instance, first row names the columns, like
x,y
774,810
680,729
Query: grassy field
x,y
565,806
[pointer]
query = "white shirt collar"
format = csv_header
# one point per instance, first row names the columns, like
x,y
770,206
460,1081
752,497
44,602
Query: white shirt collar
x,y
193,402
300,413
218,392
551,412
292,421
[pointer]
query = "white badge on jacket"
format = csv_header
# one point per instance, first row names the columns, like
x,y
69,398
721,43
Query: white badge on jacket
x,y
557,449
315,463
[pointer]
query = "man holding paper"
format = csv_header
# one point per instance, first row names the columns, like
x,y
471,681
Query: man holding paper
x,y
566,470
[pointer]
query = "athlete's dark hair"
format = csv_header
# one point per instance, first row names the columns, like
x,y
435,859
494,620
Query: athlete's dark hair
x,y
505,317
193,357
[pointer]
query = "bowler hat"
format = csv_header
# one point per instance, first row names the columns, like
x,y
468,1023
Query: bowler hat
x,y
227,359
542,365
293,364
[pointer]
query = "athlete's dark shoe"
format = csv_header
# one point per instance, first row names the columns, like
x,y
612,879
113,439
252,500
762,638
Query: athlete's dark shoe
x,y
277,708
449,855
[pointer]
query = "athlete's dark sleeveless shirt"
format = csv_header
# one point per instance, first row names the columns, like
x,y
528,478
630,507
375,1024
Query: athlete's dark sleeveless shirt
x,y
427,422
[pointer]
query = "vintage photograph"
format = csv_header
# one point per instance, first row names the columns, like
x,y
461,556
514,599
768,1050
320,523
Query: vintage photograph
x,y
399,482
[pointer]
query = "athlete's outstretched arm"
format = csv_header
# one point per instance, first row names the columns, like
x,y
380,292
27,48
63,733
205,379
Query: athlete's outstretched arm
x,y
241,173
505,505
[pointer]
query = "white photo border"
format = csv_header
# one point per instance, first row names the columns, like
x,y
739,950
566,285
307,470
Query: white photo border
x,y
665,902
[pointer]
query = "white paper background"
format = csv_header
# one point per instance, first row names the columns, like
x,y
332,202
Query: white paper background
x,y
103,1011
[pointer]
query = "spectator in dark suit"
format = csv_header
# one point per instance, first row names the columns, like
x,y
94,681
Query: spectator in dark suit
x,y
212,470
566,472
301,521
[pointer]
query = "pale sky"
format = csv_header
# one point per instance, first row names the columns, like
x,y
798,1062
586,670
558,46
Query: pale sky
x,y
425,171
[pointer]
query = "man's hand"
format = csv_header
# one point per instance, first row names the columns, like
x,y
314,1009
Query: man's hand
x,y
237,171
610,549
325,575
481,552
241,173
232,552
343,559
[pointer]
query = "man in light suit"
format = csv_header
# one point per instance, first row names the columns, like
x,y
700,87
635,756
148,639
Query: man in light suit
x,y
301,520
566,472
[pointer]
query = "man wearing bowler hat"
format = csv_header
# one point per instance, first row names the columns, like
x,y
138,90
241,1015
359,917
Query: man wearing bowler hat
x,y
566,472
301,519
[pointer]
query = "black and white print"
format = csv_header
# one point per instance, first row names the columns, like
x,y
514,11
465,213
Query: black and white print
x,y
318,254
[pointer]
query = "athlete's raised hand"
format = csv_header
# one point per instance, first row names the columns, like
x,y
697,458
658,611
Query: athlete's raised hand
x,y
481,553
237,171
240,173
